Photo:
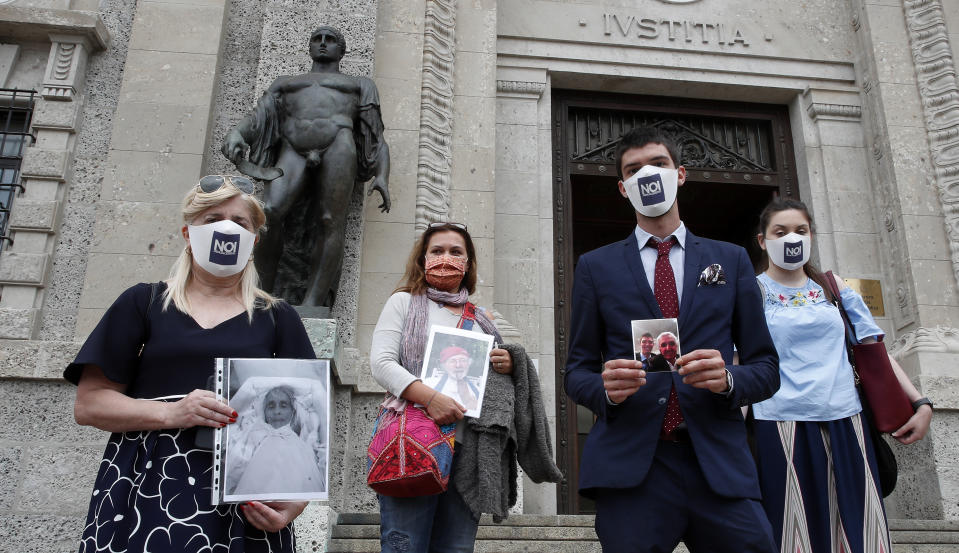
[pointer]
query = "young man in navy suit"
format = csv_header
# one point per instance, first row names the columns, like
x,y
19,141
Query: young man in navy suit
x,y
667,459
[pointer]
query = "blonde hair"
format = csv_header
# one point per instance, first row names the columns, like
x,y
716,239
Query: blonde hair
x,y
196,202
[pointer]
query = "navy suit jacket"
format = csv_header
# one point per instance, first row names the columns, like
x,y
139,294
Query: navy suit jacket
x,y
610,290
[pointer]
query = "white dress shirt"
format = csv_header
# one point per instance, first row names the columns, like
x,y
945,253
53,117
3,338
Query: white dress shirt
x,y
677,256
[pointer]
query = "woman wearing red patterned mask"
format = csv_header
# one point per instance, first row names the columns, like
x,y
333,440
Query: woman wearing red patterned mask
x,y
440,276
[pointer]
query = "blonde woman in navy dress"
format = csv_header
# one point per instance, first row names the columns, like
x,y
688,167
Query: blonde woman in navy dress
x,y
142,375
817,469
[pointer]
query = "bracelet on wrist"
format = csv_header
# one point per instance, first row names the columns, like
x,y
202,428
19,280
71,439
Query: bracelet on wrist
x,y
920,402
431,398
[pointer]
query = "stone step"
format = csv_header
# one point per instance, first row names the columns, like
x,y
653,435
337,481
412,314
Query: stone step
x,y
567,533
359,533
513,520
482,546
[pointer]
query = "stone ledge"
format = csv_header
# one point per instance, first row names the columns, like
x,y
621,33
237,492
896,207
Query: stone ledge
x,y
942,390
36,24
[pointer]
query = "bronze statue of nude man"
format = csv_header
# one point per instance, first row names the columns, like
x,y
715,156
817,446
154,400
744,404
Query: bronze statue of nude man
x,y
317,133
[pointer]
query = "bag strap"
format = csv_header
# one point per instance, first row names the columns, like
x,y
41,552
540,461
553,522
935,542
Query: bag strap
x,y
851,339
468,318
154,287
850,333
762,289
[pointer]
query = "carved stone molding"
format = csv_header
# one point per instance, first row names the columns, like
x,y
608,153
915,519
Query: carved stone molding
x,y
521,88
64,67
435,159
939,92
898,280
941,339
833,111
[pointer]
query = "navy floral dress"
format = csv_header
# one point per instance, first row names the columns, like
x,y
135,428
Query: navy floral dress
x,y
153,488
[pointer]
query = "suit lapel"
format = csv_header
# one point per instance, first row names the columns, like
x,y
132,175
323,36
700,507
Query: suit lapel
x,y
635,264
690,275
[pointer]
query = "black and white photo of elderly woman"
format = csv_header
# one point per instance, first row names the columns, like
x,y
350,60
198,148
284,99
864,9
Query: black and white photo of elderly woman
x,y
142,374
274,454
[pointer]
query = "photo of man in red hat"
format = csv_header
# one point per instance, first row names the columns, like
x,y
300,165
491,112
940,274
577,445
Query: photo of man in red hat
x,y
452,377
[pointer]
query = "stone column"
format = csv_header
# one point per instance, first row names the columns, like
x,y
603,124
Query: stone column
x,y
45,172
524,234
910,100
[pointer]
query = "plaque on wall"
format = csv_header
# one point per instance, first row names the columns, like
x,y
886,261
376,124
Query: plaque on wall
x,y
871,292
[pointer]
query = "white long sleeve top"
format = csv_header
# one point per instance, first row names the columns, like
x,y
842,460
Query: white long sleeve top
x,y
385,347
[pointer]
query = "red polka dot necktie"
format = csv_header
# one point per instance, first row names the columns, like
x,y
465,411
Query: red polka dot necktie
x,y
664,287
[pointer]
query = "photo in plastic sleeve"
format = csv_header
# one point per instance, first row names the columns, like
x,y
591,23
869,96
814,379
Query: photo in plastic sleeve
x,y
656,344
456,364
278,448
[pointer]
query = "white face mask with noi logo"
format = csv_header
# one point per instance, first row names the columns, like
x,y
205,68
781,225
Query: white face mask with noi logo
x,y
652,190
789,252
222,248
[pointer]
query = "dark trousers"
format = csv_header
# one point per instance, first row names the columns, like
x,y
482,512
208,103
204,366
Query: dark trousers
x,y
675,503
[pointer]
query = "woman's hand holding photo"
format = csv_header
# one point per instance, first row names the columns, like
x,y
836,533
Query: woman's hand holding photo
x,y
272,516
199,408
443,409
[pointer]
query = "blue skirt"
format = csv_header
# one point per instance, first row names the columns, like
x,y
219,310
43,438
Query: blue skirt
x,y
152,493
820,486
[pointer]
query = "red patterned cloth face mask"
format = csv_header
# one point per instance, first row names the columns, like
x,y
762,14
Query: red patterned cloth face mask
x,y
445,272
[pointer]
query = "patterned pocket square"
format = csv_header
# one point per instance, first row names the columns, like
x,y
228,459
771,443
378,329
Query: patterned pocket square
x,y
712,275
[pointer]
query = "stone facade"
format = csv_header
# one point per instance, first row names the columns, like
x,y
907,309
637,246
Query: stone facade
x,y
135,98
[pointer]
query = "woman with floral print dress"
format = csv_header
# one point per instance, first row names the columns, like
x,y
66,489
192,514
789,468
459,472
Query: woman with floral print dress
x,y
142,374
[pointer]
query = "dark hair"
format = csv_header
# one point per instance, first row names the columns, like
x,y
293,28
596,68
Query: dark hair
x,y
775,206
646,335
641,136
414,279
340,39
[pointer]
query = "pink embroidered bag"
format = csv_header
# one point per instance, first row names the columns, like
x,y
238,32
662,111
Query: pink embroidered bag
x,y
409,455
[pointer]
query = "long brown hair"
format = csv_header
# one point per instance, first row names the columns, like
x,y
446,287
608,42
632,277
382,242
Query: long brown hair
x,y
774,207
414,279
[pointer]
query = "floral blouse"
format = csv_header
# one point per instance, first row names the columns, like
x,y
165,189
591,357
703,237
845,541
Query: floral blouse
x,y
817,382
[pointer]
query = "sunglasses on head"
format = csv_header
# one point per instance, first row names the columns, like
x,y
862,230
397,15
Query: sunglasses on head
x,y
439,224
212,183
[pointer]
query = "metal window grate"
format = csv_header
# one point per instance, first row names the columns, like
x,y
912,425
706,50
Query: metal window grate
x,y
16,112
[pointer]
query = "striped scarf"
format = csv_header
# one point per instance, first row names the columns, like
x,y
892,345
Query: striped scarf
x,y
416,327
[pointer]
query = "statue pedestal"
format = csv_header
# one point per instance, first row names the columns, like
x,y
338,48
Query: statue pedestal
x,y
349,367
322,334
350,429
313,525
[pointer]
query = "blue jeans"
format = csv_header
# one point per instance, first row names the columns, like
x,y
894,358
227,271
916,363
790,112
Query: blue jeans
x,y
427,524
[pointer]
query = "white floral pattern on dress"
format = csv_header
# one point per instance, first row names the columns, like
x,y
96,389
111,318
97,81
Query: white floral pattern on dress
x,y
152,493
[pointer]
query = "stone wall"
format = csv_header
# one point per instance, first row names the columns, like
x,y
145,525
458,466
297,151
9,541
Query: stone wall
x,y
466,95
47,462
102,91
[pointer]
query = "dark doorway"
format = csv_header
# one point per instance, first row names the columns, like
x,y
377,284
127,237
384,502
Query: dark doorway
x,y
737,157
